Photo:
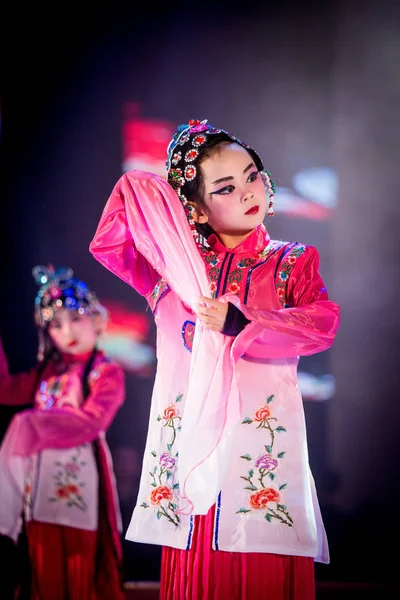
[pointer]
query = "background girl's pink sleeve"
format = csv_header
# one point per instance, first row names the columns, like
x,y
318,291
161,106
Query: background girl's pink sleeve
x,y
34,430
15,390
308,326
113,245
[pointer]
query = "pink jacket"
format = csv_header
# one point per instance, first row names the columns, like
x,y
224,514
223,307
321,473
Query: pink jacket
x,y
226,421
59,427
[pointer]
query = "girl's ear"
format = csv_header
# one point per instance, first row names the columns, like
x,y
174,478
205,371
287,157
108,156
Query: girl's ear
x,y
99,324
198,215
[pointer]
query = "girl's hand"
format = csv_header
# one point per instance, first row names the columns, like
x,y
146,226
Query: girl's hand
x,y
212,313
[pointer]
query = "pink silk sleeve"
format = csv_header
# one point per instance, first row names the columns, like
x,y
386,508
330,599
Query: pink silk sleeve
x,y
113,245
307,327
65,427
15,390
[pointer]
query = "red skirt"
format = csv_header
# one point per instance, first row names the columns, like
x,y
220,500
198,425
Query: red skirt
x,y
64,564
202,573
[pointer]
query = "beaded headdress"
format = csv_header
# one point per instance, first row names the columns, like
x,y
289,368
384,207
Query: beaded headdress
x,y
60,289
183,150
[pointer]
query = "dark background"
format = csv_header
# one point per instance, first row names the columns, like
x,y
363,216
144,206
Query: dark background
x,y
308,85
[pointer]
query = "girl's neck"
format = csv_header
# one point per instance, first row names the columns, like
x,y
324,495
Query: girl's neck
x,y
231,241
76,357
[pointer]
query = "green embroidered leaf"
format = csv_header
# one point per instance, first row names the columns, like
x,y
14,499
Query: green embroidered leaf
x,y
173,506
251,473
268,517
159,515
280,428
179,398
144,505
154,453
242,510
281,507
159,418
283,486
169,446
179,428
281,454
252,488
247,421
169,474
268,448
155,469
175,486
271,476
246,457
153,483
269,399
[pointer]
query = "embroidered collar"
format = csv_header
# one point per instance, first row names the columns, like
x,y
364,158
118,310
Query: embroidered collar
x,y
254,243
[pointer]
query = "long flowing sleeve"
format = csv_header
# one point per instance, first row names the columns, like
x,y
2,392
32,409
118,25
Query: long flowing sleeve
x,y
113,245
157,223
68,426
309,325
16,389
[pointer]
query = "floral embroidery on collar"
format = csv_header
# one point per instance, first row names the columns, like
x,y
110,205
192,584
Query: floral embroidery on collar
x,y
285,271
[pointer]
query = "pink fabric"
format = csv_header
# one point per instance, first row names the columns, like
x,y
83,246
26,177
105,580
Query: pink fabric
x,y
15,390
143,231
33,430
158,230
202,572
71,425
310,323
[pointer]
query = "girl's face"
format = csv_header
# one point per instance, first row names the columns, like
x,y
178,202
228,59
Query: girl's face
x,y
234,200
72,333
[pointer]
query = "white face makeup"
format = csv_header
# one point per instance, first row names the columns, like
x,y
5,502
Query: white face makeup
x,y
234,195
73,333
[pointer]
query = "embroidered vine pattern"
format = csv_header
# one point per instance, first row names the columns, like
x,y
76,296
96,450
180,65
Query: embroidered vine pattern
x,y
284,273
264,493
236,275
68,486
163,496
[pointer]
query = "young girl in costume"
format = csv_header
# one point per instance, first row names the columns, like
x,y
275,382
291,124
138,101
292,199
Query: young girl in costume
x,y
226,487
56,473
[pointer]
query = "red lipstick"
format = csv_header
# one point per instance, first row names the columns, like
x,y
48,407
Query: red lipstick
x,y
253,210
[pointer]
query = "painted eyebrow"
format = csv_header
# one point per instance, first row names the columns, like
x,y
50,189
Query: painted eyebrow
x,y
230,177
